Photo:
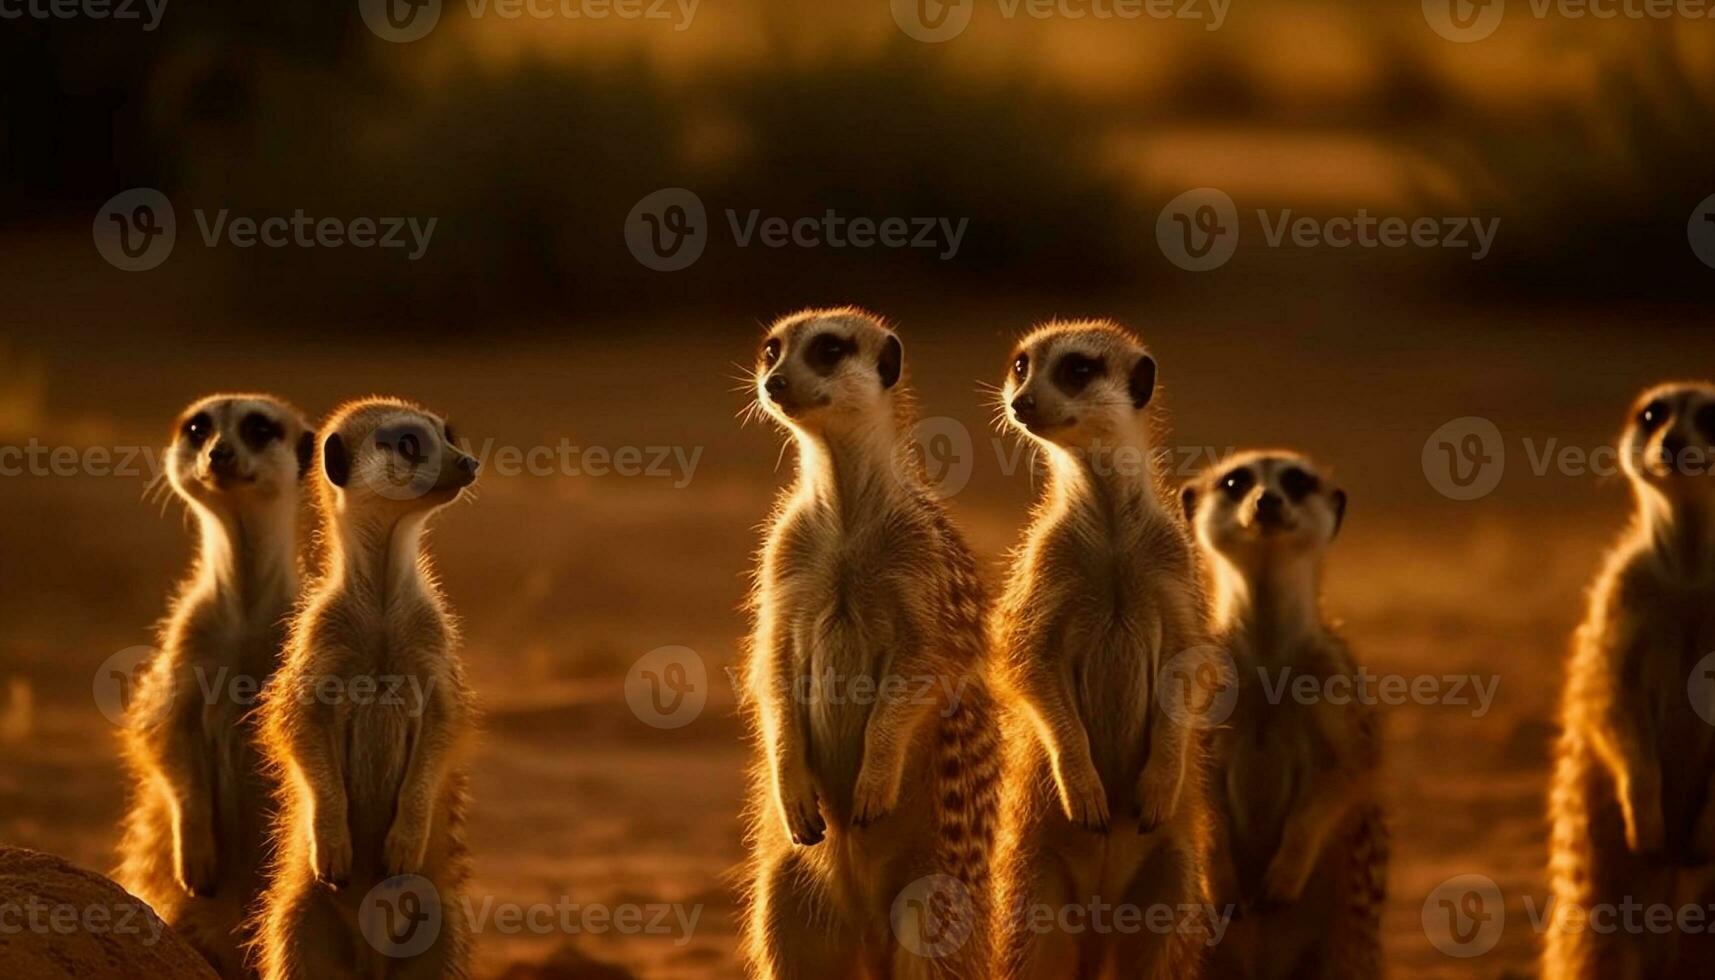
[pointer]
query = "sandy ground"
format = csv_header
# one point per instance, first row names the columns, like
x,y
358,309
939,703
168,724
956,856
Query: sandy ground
x,y
564,581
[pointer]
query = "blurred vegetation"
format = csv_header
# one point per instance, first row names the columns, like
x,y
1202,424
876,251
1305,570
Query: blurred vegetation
x,y
531,170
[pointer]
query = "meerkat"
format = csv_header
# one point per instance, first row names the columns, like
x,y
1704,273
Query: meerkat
x,y
1305,845
873,799
368,721
1632,805
196,832
1105,799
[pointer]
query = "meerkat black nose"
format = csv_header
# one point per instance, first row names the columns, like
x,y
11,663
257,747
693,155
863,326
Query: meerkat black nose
x,y
1270,506
775,386
221,455
1024,404
1673,448
469,465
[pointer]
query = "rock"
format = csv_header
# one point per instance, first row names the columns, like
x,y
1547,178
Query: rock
x,y
59,922
566,963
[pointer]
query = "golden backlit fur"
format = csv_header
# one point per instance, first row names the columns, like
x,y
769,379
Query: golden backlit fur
x,y
1304,852
871,817
1105,797
195,836
369,720
1632,805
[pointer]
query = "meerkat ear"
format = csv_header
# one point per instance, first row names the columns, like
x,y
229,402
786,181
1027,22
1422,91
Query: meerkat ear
x,y
1142,381
306,452
335,461
891,362
1339,512
1188,500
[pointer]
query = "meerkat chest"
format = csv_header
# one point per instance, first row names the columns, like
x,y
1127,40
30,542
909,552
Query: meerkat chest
x,y
1274,746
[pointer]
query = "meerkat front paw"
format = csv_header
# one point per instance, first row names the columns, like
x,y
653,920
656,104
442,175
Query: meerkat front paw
x,y
406,847
330,855
877,793
1158,791
1083,798
799,807
196,860
1646,830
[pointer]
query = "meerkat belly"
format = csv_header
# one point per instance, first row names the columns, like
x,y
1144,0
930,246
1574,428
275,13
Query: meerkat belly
x,y
1685,741
1270,762
1111,681
382,723
848,647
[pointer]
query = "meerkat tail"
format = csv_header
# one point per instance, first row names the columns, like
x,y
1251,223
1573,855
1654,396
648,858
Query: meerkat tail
x,y
968,790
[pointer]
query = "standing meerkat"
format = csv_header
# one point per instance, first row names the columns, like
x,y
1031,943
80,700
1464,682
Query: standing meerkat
x,y
1305,843
873,802
368,720
1632,803
1105,802
197,831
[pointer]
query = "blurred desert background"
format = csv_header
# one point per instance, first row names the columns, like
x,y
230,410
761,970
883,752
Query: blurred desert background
x,y
529,323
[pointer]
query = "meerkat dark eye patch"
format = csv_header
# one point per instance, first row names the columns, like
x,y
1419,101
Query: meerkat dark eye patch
x,y
1653,415
1298,484
197,428
1142,381
891,362
1021,366
258,430
1074,372
825,352
336,463
306,452
1238,483
409,446
1706,421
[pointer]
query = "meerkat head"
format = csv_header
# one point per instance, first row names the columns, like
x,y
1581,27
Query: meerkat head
x,y
1262,507
391,457
1669,443
231,451
825,370
1079,385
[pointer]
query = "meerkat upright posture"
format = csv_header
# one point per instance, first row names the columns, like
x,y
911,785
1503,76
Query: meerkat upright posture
x,y
369,717
1632,803
1105,801
1305,850
196,834
873,802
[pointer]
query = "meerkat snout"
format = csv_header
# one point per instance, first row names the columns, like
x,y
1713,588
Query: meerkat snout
x,y
1078,384
1263,501
385,450
821,367
1672,437
228,446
